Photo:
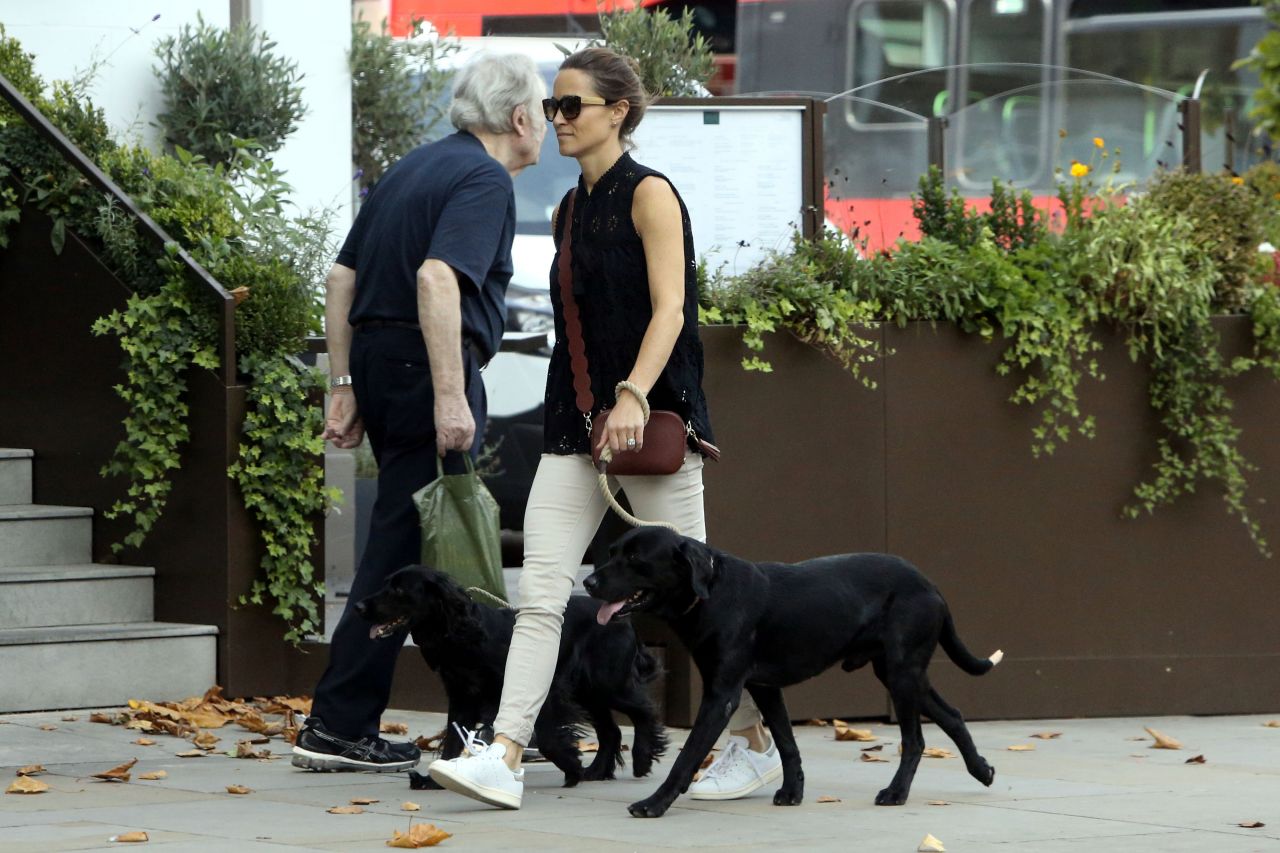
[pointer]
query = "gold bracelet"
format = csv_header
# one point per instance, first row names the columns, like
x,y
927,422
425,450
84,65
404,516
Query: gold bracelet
x,y
626,385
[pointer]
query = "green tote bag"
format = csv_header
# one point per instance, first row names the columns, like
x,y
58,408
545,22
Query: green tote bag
x,y
460,529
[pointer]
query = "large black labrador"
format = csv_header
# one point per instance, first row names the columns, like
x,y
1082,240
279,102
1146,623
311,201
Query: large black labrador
x,y
768,625
601,668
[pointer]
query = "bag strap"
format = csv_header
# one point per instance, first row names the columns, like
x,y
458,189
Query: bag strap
x,y
572,318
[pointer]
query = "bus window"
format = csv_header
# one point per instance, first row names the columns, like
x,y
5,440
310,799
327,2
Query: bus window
x,y
890,38
1004,51
1168,49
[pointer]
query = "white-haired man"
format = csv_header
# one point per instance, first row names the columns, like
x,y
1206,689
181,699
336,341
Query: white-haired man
x,y
414,308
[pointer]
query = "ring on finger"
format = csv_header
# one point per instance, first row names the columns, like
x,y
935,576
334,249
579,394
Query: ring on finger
x,y
631,442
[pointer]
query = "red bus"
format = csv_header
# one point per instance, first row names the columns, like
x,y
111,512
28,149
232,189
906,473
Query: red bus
x,y
995,69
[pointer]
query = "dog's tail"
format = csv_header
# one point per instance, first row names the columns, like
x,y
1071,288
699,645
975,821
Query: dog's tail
x,y
645,664
960,655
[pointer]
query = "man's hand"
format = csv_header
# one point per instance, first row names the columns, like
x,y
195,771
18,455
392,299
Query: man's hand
x,y
455,427
343,426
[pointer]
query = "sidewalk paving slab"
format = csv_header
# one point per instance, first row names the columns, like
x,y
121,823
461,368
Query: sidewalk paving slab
x,y
1093,788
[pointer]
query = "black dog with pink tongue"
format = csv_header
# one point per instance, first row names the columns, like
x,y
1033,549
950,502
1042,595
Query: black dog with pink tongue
x,y
770,625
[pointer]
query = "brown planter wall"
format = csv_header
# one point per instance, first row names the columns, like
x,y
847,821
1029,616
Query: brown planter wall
x,y
1098,615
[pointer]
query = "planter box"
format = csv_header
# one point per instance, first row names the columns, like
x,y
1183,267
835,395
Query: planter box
x,y
1098,615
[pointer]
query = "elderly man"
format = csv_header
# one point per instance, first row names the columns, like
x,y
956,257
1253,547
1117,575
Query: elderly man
x,y
414,308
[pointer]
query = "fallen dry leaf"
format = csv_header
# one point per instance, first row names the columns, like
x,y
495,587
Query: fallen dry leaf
x,y
394,728
31,770
1162,741
126,837
1021,747
48,727
825,799
253,722
238,789
99,717
363,801
938,752
937,803
875,748
1251,824
117,774
866,756
419,835
816,722
26,785
206,740
71,718
244,749
844,732
1272,724
140,725
1047,735
588,746
432,743
409,807
930,845
1195,759
191,753
345,810
145,741
154,775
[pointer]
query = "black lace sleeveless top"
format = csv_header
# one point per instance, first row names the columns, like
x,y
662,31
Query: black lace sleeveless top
x,y
611,288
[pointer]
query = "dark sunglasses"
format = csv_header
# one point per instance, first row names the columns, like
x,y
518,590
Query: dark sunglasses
x,y
570,106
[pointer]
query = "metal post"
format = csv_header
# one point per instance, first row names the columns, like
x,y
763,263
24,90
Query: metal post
x,y
1230,121
1190,109
936,142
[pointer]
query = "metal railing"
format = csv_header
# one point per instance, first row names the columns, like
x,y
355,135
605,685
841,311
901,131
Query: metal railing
x,y
205,283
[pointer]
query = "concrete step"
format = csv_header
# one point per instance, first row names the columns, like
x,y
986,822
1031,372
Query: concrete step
x,y
15,476
38,535
81,666
92,594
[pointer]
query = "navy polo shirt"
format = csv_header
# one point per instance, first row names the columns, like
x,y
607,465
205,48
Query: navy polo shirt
x,y
449,201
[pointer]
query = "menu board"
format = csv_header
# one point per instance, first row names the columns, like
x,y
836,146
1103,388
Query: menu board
x,y
741,170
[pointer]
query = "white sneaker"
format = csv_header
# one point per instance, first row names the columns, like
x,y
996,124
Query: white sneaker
x,y
481,773
737,772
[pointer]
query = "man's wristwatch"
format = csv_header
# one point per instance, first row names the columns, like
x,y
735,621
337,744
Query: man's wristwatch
x,y
340,381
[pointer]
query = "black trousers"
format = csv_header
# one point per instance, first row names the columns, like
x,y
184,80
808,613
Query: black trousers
x,y
392,382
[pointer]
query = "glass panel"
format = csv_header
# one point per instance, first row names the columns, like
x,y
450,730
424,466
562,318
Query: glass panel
x,y
893,37
1172,58
987,141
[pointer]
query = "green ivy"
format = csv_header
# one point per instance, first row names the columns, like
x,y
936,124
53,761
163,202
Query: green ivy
x,y
282,481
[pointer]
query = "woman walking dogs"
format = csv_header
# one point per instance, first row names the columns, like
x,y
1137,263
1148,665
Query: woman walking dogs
x,y
633,317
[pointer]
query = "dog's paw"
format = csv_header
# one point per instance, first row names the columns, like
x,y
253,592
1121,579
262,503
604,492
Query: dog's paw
x,y
598,774
571,780
987,774
641,764
652,807
787,797
422,782
890,797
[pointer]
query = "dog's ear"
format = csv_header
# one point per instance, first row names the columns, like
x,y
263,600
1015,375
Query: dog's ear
x,y
702,569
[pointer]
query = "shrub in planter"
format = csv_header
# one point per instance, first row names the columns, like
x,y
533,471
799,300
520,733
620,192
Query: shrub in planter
x,y
223,85
397,90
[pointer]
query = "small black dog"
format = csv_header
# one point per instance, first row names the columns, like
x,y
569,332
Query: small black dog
x,y
770,625
601,668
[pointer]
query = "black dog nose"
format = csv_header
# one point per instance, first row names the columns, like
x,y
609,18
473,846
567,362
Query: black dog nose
x,y
590,584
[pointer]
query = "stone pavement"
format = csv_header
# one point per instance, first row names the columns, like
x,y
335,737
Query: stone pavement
x,y
1092,789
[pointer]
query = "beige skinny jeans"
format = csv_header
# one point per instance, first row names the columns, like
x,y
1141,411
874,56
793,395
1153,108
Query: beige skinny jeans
x,y
565,508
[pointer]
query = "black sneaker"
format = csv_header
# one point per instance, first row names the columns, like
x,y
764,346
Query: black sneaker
x,y
318,749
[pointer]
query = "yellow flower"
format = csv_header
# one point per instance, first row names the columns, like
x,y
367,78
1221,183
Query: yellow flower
x,y
1237,180
1079,170
1098,143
